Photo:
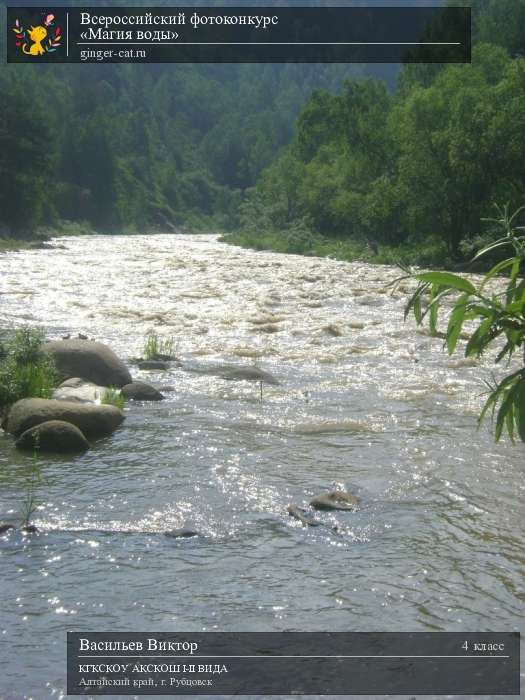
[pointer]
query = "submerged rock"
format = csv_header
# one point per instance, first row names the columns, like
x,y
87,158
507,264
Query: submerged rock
x,y
5,527
91,419
333,330
162,357
140,391
266,319
90,360
53,436
302,515
370,300
335,500
250,374
181,532
158,357
235,372
30,529
267,328
153,364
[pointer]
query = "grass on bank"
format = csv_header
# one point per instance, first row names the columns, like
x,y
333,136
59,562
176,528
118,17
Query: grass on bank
x,y
113,397
155,347
8,245
25,370
429,253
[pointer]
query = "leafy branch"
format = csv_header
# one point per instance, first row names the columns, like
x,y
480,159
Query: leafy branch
x,y
498,316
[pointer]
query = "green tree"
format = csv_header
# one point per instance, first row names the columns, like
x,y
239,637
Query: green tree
x,y
459,142
26,148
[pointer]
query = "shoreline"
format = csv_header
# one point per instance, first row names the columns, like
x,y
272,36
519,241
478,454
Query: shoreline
x,y
344,250
41,238
351,251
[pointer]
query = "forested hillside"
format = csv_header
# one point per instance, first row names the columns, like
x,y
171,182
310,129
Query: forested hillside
x,y
356,161
132,147
379,174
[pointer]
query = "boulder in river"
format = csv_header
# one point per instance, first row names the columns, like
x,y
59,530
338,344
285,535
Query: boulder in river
x,y
302,515
93,420
181,532
234,372
77,389
73,382
335,500
250,374
53,436
157,357
140,391
5,527
162,357
90,360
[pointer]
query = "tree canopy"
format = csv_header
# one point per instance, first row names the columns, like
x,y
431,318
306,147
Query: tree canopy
x,y
133,146
416,167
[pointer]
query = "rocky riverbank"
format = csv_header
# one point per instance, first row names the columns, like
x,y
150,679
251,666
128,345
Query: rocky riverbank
x,y
78,412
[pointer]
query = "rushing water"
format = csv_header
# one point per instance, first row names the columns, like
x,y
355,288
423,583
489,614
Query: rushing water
x,y
365,402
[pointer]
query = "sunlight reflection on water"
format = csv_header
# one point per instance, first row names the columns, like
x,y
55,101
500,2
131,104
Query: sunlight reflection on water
x,y
364,403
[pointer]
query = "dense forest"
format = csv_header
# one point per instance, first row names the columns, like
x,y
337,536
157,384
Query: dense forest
x,y
380,174
351,160
133,147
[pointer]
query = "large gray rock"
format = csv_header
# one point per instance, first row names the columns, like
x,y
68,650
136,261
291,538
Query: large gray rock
x,y
91,419
77,389
92,361
165,358
53,436
335,500
140,391
249,374
235,372
73,382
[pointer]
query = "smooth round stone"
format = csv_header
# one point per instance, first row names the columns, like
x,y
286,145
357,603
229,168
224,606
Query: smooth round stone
x,y
92,361
335,500
53,436
93,420
140,391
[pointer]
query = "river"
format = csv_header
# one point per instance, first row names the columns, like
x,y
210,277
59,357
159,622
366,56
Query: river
x,y
366,402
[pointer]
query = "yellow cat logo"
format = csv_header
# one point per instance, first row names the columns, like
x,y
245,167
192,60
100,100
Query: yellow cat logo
x,y
39,40
36,35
